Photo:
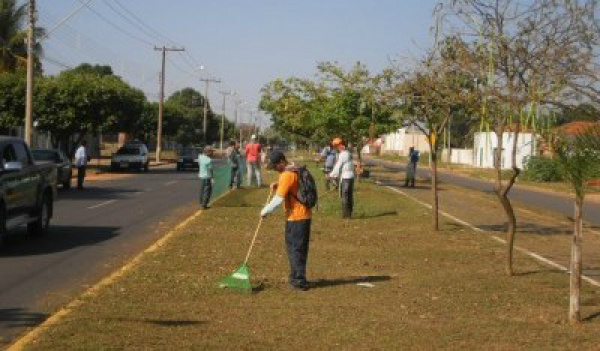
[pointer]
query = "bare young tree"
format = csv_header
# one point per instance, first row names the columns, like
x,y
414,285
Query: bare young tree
x,y
429,96
524,53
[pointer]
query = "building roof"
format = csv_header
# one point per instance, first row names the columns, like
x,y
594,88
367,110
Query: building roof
x,y
577,127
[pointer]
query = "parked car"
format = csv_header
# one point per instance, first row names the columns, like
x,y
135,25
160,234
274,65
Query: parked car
x,y
187,158
64,167
27,189
131,156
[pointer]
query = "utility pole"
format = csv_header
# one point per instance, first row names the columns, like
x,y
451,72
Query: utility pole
x,y
30,67
161,101
207,82
224,93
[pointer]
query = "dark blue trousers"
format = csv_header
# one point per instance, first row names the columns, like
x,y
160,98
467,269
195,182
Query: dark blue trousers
x,y
297,238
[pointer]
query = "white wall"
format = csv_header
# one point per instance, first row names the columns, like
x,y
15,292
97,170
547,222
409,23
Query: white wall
x,y
458,156
485,144
400,141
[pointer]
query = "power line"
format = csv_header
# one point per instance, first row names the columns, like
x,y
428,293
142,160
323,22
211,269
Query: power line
x,y
119,28
64,20
131,22
141,22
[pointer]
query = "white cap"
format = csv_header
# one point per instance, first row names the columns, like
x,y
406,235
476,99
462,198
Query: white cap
x,y
253,137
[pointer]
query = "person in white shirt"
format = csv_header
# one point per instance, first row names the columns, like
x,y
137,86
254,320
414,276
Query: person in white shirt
x,y
344,171
81,160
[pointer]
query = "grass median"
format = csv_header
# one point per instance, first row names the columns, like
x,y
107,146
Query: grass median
x,y
381,281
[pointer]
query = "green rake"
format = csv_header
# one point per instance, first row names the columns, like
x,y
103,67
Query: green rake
x,y
240,279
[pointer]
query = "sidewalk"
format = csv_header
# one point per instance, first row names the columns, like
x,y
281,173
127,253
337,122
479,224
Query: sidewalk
x,y
381,281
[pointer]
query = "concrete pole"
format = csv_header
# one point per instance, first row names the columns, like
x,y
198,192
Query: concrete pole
x,y
161,101
224,93
30,68
207,81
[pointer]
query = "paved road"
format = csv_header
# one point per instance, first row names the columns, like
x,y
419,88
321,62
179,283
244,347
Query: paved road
x,y
94,231
561,205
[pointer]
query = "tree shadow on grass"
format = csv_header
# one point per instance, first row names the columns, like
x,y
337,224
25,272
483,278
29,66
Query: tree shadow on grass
x,y
19,318
161,322
528,228
592,317
326,283
376,215
538,271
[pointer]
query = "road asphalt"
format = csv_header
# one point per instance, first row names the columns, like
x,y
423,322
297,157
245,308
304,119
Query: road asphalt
x,y
556,203
94,231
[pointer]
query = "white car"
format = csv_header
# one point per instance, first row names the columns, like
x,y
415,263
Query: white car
x,y
131,156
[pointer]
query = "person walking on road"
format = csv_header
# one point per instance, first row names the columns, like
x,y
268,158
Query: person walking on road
x,y
235,160
253,151
206,176
297,226
344,172
81,160
411,167
329,156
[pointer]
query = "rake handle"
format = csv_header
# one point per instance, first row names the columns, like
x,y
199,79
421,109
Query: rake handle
x,y
257,230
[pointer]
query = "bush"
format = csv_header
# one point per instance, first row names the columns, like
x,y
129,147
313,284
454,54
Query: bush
x,y
542,169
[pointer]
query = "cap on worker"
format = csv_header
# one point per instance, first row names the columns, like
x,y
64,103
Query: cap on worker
x,y
253,137
337,141
275,157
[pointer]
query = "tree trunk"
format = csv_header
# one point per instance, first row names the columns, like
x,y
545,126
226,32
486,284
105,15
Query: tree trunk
x,y
511,229
434,188
576,263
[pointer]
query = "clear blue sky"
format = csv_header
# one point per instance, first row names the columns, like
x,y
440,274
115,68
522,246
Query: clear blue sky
x,y
246,43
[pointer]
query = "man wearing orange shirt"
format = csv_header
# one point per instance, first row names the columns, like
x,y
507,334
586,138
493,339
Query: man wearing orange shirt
x,y
297,226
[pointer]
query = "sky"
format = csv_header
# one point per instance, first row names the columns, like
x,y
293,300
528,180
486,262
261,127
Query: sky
x,y
244,43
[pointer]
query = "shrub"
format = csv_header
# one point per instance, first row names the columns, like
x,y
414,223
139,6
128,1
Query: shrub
x,y
542,169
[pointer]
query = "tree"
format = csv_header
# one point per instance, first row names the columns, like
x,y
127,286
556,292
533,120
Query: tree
x,y
429,96
524,55
13,35
339,102
190,104
87,68
578,159
12,100
72,104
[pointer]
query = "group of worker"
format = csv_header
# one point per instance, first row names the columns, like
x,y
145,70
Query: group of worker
x,y
254,155
339,173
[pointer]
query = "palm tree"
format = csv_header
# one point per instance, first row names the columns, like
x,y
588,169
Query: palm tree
x,y
13,48
13,35
578,158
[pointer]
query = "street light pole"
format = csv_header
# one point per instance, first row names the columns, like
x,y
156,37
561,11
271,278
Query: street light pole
x,y
30,67
207,82
224,93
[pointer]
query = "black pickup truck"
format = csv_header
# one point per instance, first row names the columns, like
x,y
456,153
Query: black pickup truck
x,y
27,189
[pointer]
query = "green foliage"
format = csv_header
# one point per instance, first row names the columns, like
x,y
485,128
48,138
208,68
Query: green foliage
x,y
13,35
347,104
12,99
579,158
542,169
77,103
86,68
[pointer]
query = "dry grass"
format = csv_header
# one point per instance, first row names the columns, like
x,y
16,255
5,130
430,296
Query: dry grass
x,y
431,291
